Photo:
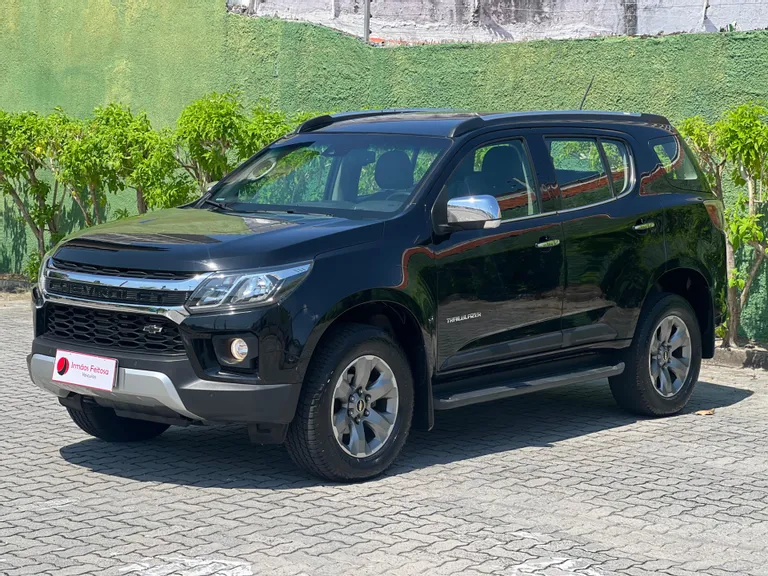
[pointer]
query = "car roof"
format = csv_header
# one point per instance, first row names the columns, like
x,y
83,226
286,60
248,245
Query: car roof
x,y
450,123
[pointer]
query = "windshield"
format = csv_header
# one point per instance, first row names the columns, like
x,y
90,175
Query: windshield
x,y
353,175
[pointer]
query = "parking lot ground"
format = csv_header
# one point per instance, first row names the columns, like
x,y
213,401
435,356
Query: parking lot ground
x,y
555,483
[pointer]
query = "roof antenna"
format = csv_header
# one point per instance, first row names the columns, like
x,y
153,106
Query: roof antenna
x,y
586,93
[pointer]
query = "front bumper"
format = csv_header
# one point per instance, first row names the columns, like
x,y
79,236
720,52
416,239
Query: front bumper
x,y
170,388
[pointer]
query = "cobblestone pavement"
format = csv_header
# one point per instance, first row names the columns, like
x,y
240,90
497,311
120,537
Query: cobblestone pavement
x,y
555,483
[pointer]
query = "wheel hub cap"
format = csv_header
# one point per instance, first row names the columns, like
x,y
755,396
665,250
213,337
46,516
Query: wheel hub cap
x,y
670,356
365,403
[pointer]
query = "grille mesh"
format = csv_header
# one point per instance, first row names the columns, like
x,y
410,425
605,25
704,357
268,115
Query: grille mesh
x,y
121,272
112,330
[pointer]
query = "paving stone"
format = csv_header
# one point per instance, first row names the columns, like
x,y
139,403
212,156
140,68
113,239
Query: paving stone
x,y
559,482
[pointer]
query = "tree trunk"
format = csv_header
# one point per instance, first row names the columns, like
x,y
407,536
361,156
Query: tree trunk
x,y
79,202
141,203
734,304
36,230
55,217
95,202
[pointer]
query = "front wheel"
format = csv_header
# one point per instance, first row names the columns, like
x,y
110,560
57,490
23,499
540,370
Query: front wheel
x,y
662,365
356,406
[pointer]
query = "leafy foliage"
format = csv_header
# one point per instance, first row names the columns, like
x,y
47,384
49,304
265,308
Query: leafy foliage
x,y
142,158
215,133
209,131
739,139
45,160
22,147
704,139
744,228
742,135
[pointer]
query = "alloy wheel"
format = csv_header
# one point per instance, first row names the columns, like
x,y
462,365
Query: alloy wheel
x,y
364,409
670,356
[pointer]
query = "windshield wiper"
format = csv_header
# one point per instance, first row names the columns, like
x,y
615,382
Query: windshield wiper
x,y
214,203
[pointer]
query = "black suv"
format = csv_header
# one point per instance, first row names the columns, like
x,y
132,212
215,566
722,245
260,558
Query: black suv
x,y
373,267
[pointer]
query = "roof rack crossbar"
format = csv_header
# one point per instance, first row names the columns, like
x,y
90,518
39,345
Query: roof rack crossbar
x,y
328,119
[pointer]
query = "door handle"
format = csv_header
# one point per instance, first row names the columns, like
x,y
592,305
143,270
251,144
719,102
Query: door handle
x,y
642,226
547,243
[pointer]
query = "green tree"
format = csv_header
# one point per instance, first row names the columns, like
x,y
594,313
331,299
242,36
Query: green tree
x,y
141,158
739,138
87,165
209,131
61,131
22,146
156,175
263,126
743,138
215,133
705,140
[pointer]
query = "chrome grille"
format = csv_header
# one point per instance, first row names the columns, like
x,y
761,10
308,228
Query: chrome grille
x,y
112,330
116,293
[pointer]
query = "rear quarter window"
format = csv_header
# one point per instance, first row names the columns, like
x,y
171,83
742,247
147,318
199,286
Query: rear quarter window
x,y
678,164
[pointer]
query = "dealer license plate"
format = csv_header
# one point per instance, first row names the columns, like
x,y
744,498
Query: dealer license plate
x,y
85,370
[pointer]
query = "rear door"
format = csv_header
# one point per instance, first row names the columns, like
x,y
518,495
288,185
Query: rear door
x,y
500,290
613,235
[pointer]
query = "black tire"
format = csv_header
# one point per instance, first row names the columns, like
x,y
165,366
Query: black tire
x,y
311,441
634,390
103,423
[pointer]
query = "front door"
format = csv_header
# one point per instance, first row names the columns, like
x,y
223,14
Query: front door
x,y
500,291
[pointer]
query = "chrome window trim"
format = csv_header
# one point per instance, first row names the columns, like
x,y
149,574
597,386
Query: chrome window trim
x,y
606,201
530,216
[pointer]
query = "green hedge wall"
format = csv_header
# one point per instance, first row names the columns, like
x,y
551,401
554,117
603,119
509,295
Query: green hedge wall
x,y
159,56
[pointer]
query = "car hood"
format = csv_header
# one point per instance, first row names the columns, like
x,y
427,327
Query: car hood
x,y
197,240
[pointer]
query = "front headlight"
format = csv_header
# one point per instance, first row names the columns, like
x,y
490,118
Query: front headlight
x,y
43,267
246,288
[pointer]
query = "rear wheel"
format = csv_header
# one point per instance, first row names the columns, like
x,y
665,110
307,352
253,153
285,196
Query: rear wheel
x,y
662,366
105,424
356,406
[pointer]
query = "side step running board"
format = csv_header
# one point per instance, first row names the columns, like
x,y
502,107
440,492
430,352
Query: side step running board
x,y
457,399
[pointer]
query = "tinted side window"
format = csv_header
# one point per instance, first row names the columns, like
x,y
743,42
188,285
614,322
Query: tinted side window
x,y
680,169
502,170
617,156
580,172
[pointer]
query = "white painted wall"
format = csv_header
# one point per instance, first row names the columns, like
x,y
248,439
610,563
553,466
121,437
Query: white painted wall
x,y
509,20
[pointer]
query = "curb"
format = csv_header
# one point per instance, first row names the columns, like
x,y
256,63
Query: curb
x,y
15,286
740,358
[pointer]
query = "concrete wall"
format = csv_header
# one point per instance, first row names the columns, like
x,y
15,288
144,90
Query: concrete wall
x,y
509,20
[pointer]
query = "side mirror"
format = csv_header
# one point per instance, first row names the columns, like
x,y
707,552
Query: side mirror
x,y
474,212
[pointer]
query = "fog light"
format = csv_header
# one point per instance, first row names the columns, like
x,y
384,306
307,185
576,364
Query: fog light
x,y
239,349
